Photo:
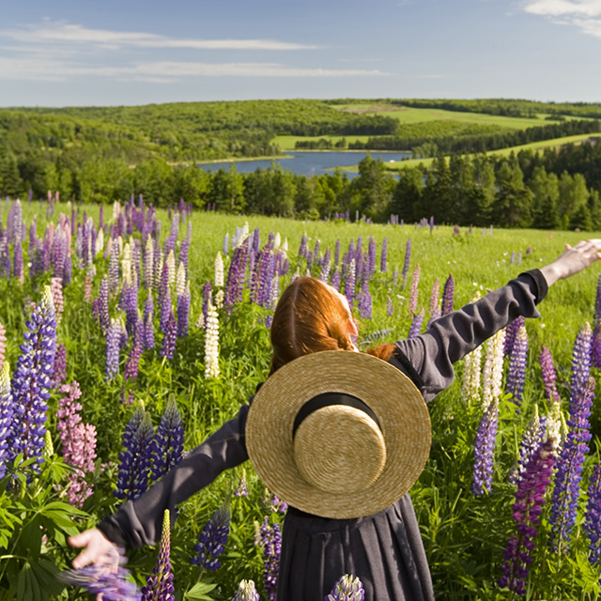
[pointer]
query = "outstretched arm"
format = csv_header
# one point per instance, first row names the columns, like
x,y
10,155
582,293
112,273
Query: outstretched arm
x,y
450,338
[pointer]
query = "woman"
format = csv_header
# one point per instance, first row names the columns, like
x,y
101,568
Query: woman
x,y
384,549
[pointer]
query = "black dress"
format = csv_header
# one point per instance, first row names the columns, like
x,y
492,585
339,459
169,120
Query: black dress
x,y
385,549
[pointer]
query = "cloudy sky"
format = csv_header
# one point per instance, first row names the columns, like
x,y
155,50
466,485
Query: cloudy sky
x,y
65,53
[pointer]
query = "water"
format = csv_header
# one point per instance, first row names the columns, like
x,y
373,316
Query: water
x,y
308,163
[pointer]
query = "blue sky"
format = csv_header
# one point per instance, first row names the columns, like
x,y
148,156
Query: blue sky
x,y
67,53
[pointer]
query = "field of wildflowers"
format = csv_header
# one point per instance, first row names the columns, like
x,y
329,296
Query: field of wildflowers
x,y
128,335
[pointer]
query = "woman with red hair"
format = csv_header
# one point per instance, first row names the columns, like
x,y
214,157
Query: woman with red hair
x,y
384,549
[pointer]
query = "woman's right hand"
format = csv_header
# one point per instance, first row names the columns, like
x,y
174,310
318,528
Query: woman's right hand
x,y
98,551
573,260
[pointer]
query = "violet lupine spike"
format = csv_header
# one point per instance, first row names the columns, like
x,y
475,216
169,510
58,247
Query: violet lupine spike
x,y
246,592
407,262
414,290
571,458
159,585
371,256
130,302
113,340
5,262
484,449
389,307
165,311
168,444
6,416
416,325
103,305
447,295
212,540
549,377
169,337
271,541
236,274
384,254
133,361
516,375
347,588
59,371
2,344
113,272
149,322
242,490
31,381
335,279
532,438
598,300
529,500
510,333
596,350
365,301
18,261
592,521
337,252
302,251
349,287
183,312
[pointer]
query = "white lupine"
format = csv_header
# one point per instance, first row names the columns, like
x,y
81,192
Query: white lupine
x,y
492,376
470,390
171,267
149,264
159,270
212,344
180,281
219,278
274,293
277,241
99,242
285,245
126,263
116,209
296,275
219,296
120,243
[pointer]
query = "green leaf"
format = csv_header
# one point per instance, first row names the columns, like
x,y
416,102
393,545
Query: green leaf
x,y
198,591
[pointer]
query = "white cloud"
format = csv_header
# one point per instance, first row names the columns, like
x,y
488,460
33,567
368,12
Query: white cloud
x,y
583,14
61,32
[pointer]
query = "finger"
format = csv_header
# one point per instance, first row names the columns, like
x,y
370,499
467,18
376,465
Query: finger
x,y
84,558
81,539
568,246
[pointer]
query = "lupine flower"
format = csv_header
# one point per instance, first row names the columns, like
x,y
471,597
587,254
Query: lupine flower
x,y
384,254
246,592
492,374
88,283
325,268
484,449
407,262
6,416
113,273
371,256
389,307
416,324
103,579
212,344
414,290
133,361
170,264
592,522
79,444
226,244
470,390
113,344
302,251
56,289
183,312
236,274
18,261
516,375
527,508
148,322
169,337
571,458
271,541
242,490
2,344
212,539
219,278
365,301
549,377
59,371
130,305
166,309
31,381
48,451
135,460
159,586
168,444
447,295
335,280
103,305
348,588
337,252
180,280
149,265
278,506
349,288
511,332
533,437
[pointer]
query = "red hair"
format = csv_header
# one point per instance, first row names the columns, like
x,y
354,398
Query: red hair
x,y
311,317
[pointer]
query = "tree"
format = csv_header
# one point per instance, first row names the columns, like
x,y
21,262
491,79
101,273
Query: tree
x,y
407,196
373,188
512,205
545,187
227,190
10,178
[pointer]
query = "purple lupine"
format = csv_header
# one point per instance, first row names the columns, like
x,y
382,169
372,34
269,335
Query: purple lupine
x,y
79,444
278,506
335,279
165,305
113,272
212,540
6,416
271,541
349,287
337,252
532,438
365,301
2,344
159,585
104,580
242,490
183,312
168,444
169,336
413,295
59,371
31,382
416,324
133,361
527,509
5,262
135,461
571,458
549,377
516,376
371,256
511,332
405,272
347,588
389,307
148,322
592,521
234,285
130,305
302,251
325,267
18,261
447,295
596,351
68,271
484,449
384,254
113,345
103,305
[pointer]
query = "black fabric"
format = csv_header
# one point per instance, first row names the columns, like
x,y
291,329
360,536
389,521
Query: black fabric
x,y
384,550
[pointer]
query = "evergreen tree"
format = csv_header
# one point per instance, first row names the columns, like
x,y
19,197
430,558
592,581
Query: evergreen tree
x,y
407,196
512,205
10,178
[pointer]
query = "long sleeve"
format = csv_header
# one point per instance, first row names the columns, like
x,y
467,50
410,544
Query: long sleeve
x,y
139,522
428,359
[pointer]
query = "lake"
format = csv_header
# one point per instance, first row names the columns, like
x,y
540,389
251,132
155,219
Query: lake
x,y
308,163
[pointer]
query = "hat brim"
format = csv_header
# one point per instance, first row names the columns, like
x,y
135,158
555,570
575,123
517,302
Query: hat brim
x,y
396,402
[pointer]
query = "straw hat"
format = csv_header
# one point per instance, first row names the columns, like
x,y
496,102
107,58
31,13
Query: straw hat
x,y
338,434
